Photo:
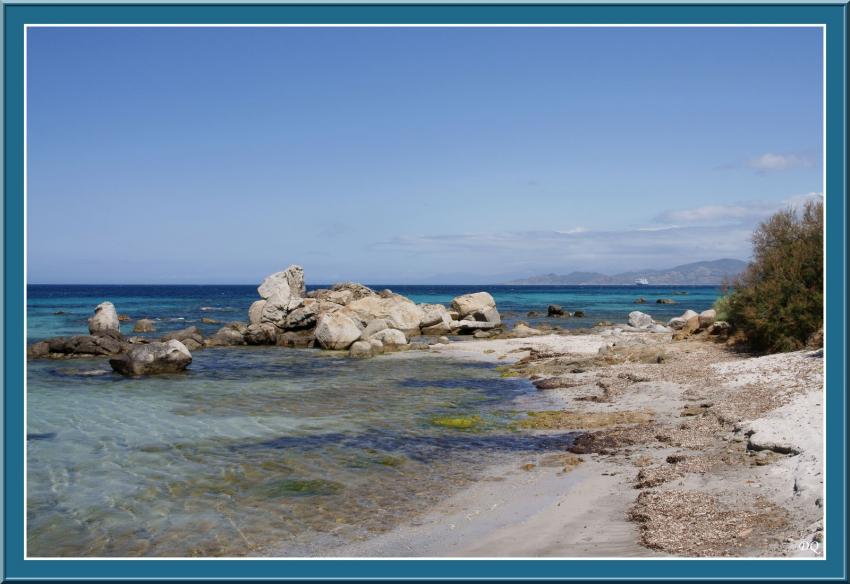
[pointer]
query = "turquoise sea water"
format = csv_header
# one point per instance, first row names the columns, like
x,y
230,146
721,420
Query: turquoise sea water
x,y
258,448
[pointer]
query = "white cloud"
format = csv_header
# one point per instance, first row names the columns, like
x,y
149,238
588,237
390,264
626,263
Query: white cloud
x,y
746,212
769,162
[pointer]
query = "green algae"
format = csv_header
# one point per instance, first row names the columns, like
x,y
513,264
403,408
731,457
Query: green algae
x,y
460,422
299,488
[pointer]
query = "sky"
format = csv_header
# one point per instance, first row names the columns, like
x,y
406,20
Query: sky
x,y
414,155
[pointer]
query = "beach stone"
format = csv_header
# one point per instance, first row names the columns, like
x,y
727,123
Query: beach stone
x,y
374,326
399,312
360,350
676,323
255,313
707,317
660,328
443,340
433,314
144,325
104,320
226,336
390,337
290,281
639,319
470,326
296,339
555,310
469,304
377,346
168,357
524,330
441,328
260,334
182,335
336,331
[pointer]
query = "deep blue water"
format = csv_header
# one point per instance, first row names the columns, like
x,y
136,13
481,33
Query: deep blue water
x,y
176,307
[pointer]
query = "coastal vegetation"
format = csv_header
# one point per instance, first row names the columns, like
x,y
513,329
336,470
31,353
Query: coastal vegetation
x,y
777,302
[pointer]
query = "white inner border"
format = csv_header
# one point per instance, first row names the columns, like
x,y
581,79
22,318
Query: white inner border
x,y
688,25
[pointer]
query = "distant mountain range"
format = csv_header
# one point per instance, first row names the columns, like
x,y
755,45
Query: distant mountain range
x,y
697,273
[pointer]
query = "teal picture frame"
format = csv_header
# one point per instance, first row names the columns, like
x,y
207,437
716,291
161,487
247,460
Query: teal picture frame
x,y
16,16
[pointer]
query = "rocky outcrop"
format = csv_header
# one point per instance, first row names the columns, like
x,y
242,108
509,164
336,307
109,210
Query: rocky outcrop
x,y
79,347
231,334
476,306
169,357
399,312
290,282
104,320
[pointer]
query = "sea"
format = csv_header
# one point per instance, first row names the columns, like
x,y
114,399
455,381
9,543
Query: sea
x,y
267,450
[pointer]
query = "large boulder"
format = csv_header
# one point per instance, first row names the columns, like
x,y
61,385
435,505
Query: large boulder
x,y
230,335
433,314
640,319
255,313
678,323
336,331
390,337
556,310
470,304
360,350
399,312
168,357
291,280
104,320
707,318
374,326
279,305
260,334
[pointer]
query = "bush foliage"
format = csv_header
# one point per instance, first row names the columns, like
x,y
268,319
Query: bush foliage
x,y
777,303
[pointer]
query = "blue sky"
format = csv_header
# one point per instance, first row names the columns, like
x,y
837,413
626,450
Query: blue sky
x,y
410,155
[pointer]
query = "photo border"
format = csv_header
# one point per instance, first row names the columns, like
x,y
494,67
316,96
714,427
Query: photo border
x,y
15,16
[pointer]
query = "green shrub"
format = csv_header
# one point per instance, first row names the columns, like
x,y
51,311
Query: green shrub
x,y
777,303
721,307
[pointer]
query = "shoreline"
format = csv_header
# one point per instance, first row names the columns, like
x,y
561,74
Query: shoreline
x,y
629,500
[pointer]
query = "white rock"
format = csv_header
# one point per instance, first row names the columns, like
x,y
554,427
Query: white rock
x,y
375,326
707,317
336,331
277,306
526,331
433,314
360,350
168,357
639,319
472,303
390,337
255,313
292,278
104,319
399,312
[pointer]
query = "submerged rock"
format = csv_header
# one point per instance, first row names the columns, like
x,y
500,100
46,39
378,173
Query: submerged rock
x,y
555,310
169,357
144,325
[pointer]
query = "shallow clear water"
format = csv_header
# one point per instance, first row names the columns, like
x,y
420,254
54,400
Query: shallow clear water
x,y
256,449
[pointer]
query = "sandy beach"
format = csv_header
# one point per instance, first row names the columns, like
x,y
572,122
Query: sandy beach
x,y
683,448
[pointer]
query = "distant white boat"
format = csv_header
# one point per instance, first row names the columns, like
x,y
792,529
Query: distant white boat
x,y
641,282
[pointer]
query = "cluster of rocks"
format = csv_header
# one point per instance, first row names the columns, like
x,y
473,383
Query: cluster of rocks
x,y
557,311
346,317
683,326
130,356
691,323
351,316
